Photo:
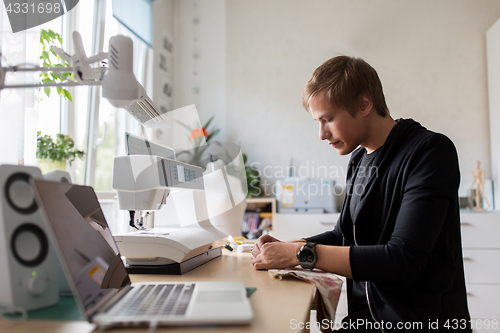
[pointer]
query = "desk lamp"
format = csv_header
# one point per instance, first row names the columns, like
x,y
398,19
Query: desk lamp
x,y
119,85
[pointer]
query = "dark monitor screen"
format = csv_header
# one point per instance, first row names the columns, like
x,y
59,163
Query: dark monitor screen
x,y
83,240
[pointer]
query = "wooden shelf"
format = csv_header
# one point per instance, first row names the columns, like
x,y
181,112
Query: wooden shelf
x,y
265,200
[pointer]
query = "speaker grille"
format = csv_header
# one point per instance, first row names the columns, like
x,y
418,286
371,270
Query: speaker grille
x,y
29,245
19,194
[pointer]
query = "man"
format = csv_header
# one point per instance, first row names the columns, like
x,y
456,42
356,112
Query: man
x,y
398,237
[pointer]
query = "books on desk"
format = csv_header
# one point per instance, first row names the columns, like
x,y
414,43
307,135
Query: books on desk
x,y
252,221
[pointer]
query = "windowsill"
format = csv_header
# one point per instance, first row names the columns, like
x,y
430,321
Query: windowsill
x,y
106,195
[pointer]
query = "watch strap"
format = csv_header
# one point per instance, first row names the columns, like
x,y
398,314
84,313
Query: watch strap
x,y
311,247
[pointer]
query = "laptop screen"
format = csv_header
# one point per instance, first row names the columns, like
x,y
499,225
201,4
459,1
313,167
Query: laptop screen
x,y
84,240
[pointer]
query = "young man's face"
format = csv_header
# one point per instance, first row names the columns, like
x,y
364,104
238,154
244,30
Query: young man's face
x,y
342,131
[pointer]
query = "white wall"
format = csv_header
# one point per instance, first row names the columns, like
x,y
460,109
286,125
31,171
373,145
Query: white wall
x,y
257,55
430,56
200,59
163,18
163,21
493,61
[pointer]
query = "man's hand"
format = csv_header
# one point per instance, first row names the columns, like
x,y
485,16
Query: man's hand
x,y
276,254
260,242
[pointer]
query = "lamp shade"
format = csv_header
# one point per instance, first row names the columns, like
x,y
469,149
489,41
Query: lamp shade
x,y
119,85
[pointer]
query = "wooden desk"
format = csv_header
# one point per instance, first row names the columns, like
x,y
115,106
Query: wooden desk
x,y
275,303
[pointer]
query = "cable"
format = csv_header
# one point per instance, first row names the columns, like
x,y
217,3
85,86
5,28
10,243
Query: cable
x,y
240,240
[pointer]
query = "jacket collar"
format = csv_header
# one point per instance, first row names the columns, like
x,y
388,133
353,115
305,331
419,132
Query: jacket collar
x,y
393,143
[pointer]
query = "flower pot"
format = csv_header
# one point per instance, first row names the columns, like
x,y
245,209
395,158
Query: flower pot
x,y
47,165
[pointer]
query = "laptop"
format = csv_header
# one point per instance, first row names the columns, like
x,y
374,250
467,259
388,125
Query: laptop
x,y
101,286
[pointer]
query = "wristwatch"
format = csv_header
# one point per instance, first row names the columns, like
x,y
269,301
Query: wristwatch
x,y
307,256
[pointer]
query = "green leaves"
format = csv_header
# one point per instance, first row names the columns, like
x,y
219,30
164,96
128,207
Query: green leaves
x,y
51,59
63,148
212,133
253,181
49,35
68,95
208,122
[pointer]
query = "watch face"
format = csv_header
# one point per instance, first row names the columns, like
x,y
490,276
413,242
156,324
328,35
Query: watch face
x,y
306,257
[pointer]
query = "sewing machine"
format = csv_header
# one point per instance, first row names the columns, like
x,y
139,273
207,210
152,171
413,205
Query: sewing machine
x,y
143,184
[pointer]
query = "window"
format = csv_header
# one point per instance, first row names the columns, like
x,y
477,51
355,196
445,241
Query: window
x,y
107,125
97,127
76,118
112,124
34,111
18,107
50,108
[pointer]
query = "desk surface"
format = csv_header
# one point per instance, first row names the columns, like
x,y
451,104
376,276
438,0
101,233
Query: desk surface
x,y
275,303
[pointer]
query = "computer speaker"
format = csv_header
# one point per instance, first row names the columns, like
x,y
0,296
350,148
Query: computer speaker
x,y
58,176
27,261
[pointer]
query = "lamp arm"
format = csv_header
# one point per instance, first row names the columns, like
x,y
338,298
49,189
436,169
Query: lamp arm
x,y
5,70
87,61
61,53
37,69
97,58
119,85
63,84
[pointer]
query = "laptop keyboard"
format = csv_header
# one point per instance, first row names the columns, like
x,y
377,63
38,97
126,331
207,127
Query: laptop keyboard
x,y
156,300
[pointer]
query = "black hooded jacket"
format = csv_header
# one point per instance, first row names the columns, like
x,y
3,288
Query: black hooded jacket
x,y
406,242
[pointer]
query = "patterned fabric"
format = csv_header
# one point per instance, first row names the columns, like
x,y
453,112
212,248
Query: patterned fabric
x,y
328,288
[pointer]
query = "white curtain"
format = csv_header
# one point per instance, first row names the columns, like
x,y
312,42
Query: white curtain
x,y
18,107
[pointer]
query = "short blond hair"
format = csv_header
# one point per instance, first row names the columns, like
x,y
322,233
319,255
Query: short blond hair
x,y
344,79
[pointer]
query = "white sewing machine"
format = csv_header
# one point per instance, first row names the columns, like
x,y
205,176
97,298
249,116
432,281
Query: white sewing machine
x,y
143,183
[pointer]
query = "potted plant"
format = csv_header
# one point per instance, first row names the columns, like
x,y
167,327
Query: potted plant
x,y
198,155
54,154
253,179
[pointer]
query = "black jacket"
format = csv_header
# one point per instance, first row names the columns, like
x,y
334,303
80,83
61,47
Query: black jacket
x,y
406,242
